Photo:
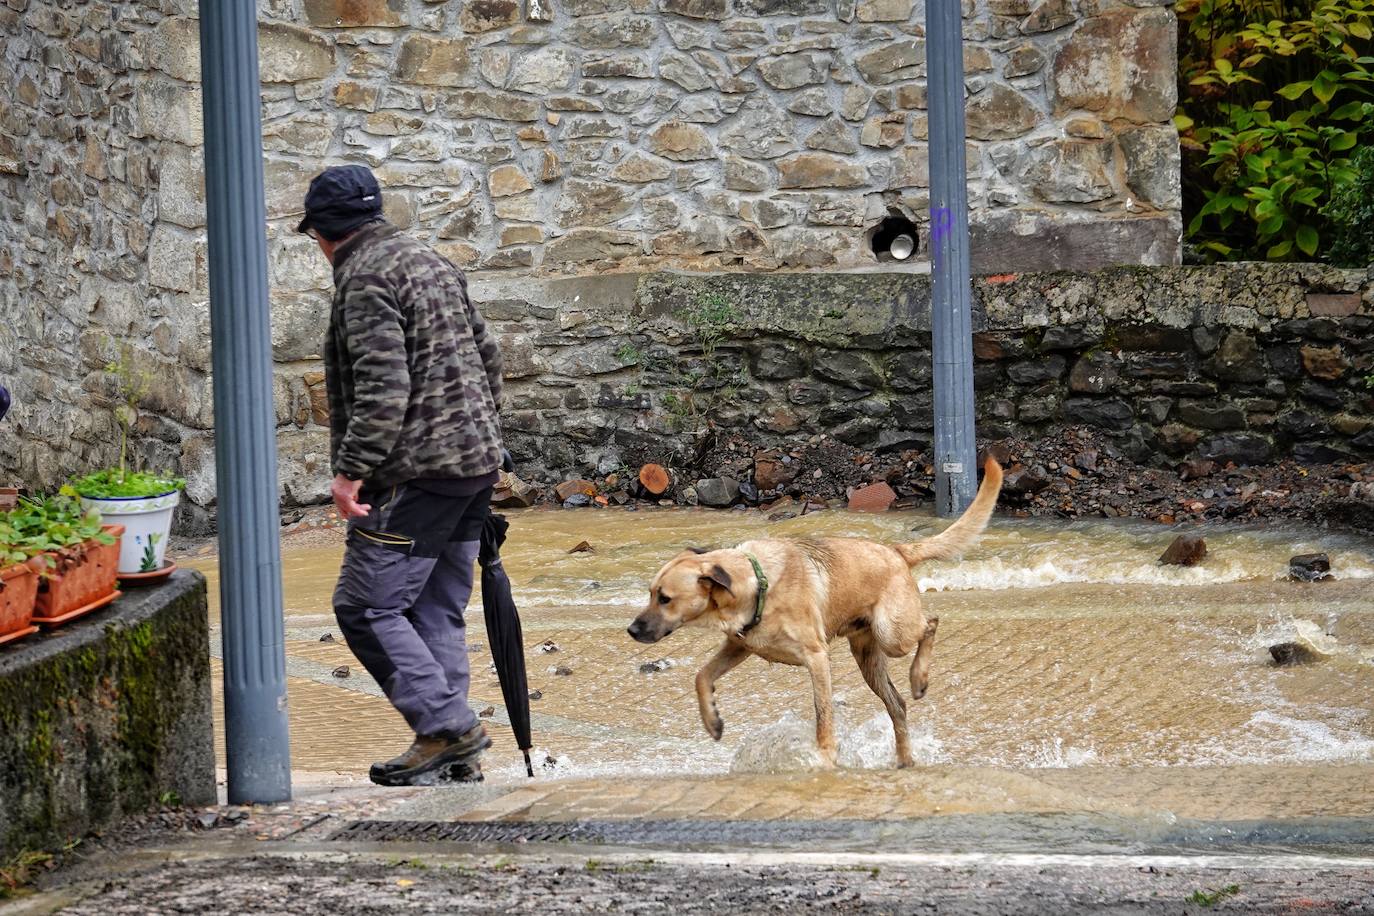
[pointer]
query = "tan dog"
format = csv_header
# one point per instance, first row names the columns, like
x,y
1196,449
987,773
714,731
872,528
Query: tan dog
x,y
785,600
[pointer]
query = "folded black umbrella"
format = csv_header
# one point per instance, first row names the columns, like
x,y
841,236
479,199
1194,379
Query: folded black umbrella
x,y
504,632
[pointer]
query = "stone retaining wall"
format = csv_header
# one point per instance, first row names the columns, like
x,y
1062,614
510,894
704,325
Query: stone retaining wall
x,y
1246,363
106,717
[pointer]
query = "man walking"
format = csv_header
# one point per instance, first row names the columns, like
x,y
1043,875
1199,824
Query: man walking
x,y
414,383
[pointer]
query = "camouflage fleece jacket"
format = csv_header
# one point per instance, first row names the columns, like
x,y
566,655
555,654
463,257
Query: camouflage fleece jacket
x,y
413,376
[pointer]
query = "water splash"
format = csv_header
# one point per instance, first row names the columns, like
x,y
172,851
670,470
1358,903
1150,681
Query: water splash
x,y
789,746
1052,755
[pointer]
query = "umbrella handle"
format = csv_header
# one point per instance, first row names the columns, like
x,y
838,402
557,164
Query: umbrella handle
x,y
529,767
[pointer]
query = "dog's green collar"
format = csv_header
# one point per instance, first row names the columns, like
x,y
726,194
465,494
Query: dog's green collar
x,y
763,594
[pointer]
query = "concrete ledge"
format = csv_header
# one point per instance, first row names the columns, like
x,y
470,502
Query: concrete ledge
x,y
103,717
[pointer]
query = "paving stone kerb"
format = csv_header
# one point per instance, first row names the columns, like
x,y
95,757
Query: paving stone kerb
x,y
104,716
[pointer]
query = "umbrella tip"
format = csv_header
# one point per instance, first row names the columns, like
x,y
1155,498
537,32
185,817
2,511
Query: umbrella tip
x,y
529,767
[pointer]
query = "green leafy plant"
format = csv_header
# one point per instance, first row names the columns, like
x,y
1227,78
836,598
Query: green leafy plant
x,y
115,483
56,528
1210,899
133,384
1275,94
1352,215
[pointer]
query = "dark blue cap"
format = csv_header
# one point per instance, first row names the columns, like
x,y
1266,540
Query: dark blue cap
x,y
4,402
340,199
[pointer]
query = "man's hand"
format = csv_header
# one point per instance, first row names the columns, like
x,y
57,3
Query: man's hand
x,y
345,494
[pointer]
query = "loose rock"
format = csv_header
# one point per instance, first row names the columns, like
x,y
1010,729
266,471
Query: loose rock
x,y
1309,567
549,646
1286,654
876,497
656,666
1186,550
487,713
583,547
717,492
342,672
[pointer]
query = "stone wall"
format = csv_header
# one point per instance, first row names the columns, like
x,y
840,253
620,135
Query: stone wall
x,y
106,716
1247,363
527,137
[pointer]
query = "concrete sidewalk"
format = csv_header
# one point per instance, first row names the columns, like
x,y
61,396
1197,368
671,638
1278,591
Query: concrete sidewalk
x,y
936,839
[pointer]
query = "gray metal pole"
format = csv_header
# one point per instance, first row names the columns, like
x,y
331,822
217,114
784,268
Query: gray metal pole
x,y
951,326
255,735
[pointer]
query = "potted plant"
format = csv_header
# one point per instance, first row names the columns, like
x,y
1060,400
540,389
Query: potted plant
x,y
75,557
140,501
18,583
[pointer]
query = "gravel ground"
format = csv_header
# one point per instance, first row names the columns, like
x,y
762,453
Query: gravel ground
x,y
339,886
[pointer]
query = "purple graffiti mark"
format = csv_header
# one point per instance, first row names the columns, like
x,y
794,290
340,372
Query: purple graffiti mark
x,y
941,221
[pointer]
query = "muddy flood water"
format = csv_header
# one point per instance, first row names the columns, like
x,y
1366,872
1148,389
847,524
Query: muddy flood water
x,y
1062,647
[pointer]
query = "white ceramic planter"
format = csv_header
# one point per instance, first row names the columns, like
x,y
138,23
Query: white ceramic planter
x,y
147,520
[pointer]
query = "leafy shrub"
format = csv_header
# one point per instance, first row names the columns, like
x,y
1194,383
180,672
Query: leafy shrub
x,y
1275,94
1352,215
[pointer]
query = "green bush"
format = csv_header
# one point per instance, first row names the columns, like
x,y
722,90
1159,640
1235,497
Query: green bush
x,y
1274,96
1352,215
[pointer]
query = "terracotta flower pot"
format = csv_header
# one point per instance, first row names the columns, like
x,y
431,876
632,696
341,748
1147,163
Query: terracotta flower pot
x,y
18,589
83,580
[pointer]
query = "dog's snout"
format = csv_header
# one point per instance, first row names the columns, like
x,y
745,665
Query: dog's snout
x,y
635,629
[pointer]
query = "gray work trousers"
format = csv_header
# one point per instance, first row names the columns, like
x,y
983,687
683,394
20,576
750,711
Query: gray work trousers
x,y
405,583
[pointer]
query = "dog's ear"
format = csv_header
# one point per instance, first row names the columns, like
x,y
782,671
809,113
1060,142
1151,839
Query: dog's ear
x,y
718,576
697,550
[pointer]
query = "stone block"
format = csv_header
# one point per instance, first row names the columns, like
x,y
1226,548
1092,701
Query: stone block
x,y
592,245
1121,64
543,71
181,186
1325,363
499,106
304,134
487,15
1152,165
349,14
819,170
173,259
761,131
1106,413
999,112
173,47
432,61
169,111
507,180
696,9
1018,241
893,62
1333,305
1240,448
793,71
681,142
884,10
289,54
1071,171
612,32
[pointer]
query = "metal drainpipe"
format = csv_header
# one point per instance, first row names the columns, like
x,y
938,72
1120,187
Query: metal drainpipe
x,y
255,730
956,473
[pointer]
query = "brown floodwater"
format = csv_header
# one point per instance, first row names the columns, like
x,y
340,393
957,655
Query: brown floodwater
x,y
1062,646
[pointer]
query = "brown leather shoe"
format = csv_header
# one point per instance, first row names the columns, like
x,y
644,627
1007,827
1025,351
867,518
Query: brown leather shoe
x,y
429,754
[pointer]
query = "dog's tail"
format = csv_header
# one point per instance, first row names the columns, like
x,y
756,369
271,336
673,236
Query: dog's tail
x,y
964,533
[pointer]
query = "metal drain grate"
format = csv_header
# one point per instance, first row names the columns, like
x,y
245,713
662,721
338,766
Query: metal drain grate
x,y
621,833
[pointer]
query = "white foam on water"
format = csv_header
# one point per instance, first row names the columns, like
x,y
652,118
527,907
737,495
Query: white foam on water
x,y
1052,755
1293,740
789,746
997,574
